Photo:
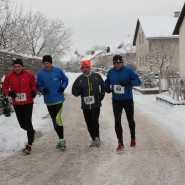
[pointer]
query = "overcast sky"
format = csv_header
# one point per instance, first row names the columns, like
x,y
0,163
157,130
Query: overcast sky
x,y
100,22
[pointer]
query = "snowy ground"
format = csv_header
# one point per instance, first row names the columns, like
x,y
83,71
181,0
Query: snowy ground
x,y
158,158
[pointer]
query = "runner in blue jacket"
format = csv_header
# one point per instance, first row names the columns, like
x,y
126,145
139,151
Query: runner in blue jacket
x,y
120,80
51,82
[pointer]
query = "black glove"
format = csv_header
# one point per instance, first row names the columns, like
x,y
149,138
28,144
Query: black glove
x,y
126,83
101,96
61,89
32,93
80,91
45,90
108,90
12,94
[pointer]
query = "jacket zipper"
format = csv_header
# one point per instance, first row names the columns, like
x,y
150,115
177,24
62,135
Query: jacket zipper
x,y
20,86
89,88
50,75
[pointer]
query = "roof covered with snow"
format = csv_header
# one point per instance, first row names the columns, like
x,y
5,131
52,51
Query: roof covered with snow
x,y
69,57
156,27
122,47
90,57
180,20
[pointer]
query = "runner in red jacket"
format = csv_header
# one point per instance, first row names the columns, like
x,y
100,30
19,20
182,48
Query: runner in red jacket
x,y
20,85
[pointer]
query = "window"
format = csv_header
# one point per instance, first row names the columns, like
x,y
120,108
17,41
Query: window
x,y
142,37
139,38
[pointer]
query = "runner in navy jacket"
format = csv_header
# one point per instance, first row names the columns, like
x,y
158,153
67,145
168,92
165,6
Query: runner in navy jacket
x,y
120,80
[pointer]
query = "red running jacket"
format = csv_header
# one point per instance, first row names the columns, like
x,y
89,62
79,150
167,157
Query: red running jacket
x,y
22,84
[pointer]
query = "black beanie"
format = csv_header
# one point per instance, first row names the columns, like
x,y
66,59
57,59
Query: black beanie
x,y
118,59
47,58
18,61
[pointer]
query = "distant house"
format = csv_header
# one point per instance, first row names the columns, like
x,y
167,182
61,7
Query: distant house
x,y
103,58
95,57
154,35
69,62
125,48
180,30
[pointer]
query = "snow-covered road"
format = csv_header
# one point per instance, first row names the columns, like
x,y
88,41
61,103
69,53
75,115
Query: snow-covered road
x,y
158,159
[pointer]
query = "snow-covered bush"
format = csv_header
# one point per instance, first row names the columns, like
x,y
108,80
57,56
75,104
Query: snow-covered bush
x,y
149,80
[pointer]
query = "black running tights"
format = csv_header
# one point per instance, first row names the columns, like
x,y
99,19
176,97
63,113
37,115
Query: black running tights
x,y
24,116
128,106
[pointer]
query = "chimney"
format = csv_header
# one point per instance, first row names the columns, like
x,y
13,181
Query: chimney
x,y
177,13
92,52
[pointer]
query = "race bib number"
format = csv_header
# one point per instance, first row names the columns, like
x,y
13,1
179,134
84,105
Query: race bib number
x,y
119,89
21,97
89,100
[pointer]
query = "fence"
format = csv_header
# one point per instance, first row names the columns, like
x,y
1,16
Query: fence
x,y
6,58
177,88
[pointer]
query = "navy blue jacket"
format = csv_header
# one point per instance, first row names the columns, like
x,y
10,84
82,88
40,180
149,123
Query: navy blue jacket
x,y
114,77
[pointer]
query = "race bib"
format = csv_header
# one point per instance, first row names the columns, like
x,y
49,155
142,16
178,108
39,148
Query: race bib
x,y
119,89
89,100
20,97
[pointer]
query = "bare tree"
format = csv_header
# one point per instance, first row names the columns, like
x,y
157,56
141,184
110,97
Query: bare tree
x,y
3,5
44,36
161,56
32,33
34,25
11,26
57,38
